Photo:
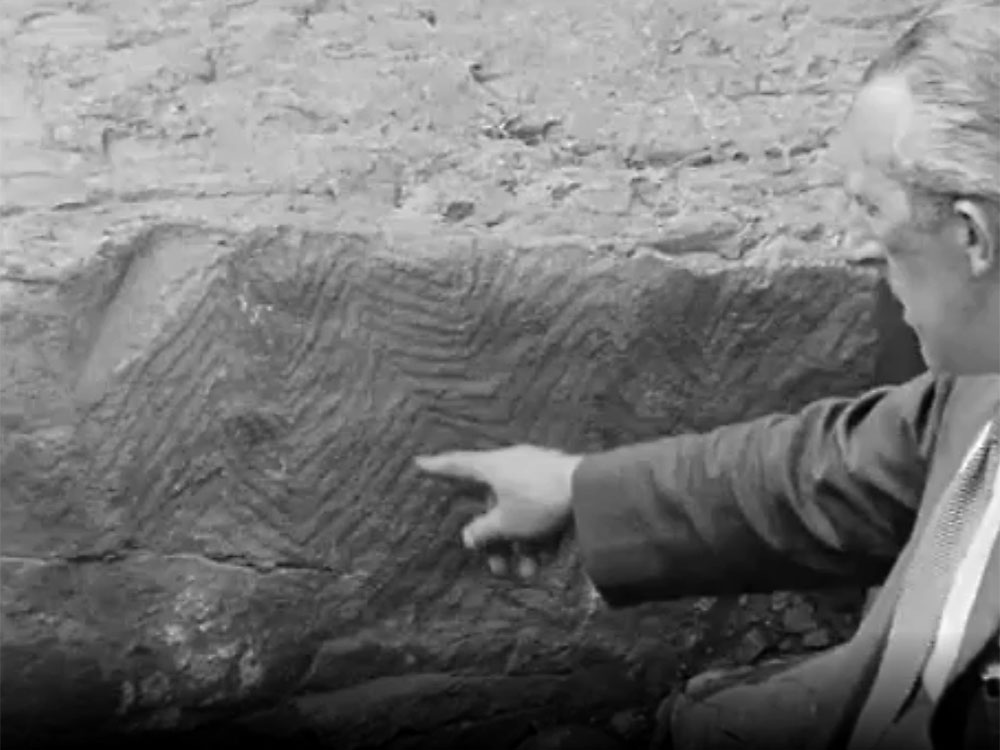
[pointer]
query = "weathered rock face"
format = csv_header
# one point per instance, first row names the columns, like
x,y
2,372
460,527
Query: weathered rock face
x,y
214,503
241,289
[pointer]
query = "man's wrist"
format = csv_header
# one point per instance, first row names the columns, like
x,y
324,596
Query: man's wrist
x,y
593,594
571,468
572,464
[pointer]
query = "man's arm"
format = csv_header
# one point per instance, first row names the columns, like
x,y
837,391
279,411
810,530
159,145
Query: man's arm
x,y
827,496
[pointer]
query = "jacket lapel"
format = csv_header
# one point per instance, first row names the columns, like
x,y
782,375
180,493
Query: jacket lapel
x,y
863,654
984,620
871,638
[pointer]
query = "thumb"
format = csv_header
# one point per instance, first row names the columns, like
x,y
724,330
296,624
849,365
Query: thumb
x,y
484,529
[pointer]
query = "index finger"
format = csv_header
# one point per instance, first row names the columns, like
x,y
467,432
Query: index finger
x,y
460,464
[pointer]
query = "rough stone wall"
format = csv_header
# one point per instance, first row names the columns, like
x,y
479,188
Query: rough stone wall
x,y
257,255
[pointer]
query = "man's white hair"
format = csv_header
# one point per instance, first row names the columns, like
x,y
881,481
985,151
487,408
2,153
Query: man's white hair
x,y
951,60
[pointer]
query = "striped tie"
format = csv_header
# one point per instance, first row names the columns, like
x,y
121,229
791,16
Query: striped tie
x,y
925,587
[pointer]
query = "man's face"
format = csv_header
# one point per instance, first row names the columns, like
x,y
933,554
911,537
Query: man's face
x,y
924,255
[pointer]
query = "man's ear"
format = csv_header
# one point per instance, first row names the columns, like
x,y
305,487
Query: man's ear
x,y
981,229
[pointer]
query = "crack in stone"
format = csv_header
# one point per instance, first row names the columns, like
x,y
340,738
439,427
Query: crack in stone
x,y
256,565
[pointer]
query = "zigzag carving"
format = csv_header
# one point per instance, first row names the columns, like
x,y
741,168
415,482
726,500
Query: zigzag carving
x,y
286,401
272,416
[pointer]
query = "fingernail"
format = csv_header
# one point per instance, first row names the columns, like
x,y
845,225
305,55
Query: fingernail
x,y
467,539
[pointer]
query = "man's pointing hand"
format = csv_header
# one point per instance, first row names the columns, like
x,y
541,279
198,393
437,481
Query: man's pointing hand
x,y
531,490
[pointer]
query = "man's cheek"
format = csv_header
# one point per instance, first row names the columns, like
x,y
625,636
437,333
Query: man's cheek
x,y
911,304
896,283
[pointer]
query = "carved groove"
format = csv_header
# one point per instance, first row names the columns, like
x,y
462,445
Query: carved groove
x,y
273,417
368,357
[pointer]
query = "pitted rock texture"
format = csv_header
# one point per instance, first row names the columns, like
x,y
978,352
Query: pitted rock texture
x,y
215,503
257,255
680,127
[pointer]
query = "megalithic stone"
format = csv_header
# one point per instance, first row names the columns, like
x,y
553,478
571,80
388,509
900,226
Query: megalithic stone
x,y
208,499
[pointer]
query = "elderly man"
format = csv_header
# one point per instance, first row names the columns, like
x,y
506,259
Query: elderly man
x,y
897,487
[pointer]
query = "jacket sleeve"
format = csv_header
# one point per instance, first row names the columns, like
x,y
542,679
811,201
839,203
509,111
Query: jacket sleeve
x,y
824,497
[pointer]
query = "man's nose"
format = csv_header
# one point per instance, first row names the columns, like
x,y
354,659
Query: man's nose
x,y
858,244
865,252
858,247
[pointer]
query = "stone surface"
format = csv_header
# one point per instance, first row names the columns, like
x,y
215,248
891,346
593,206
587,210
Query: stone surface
x,y
409,712
214,503
681,127
257,255
569,737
